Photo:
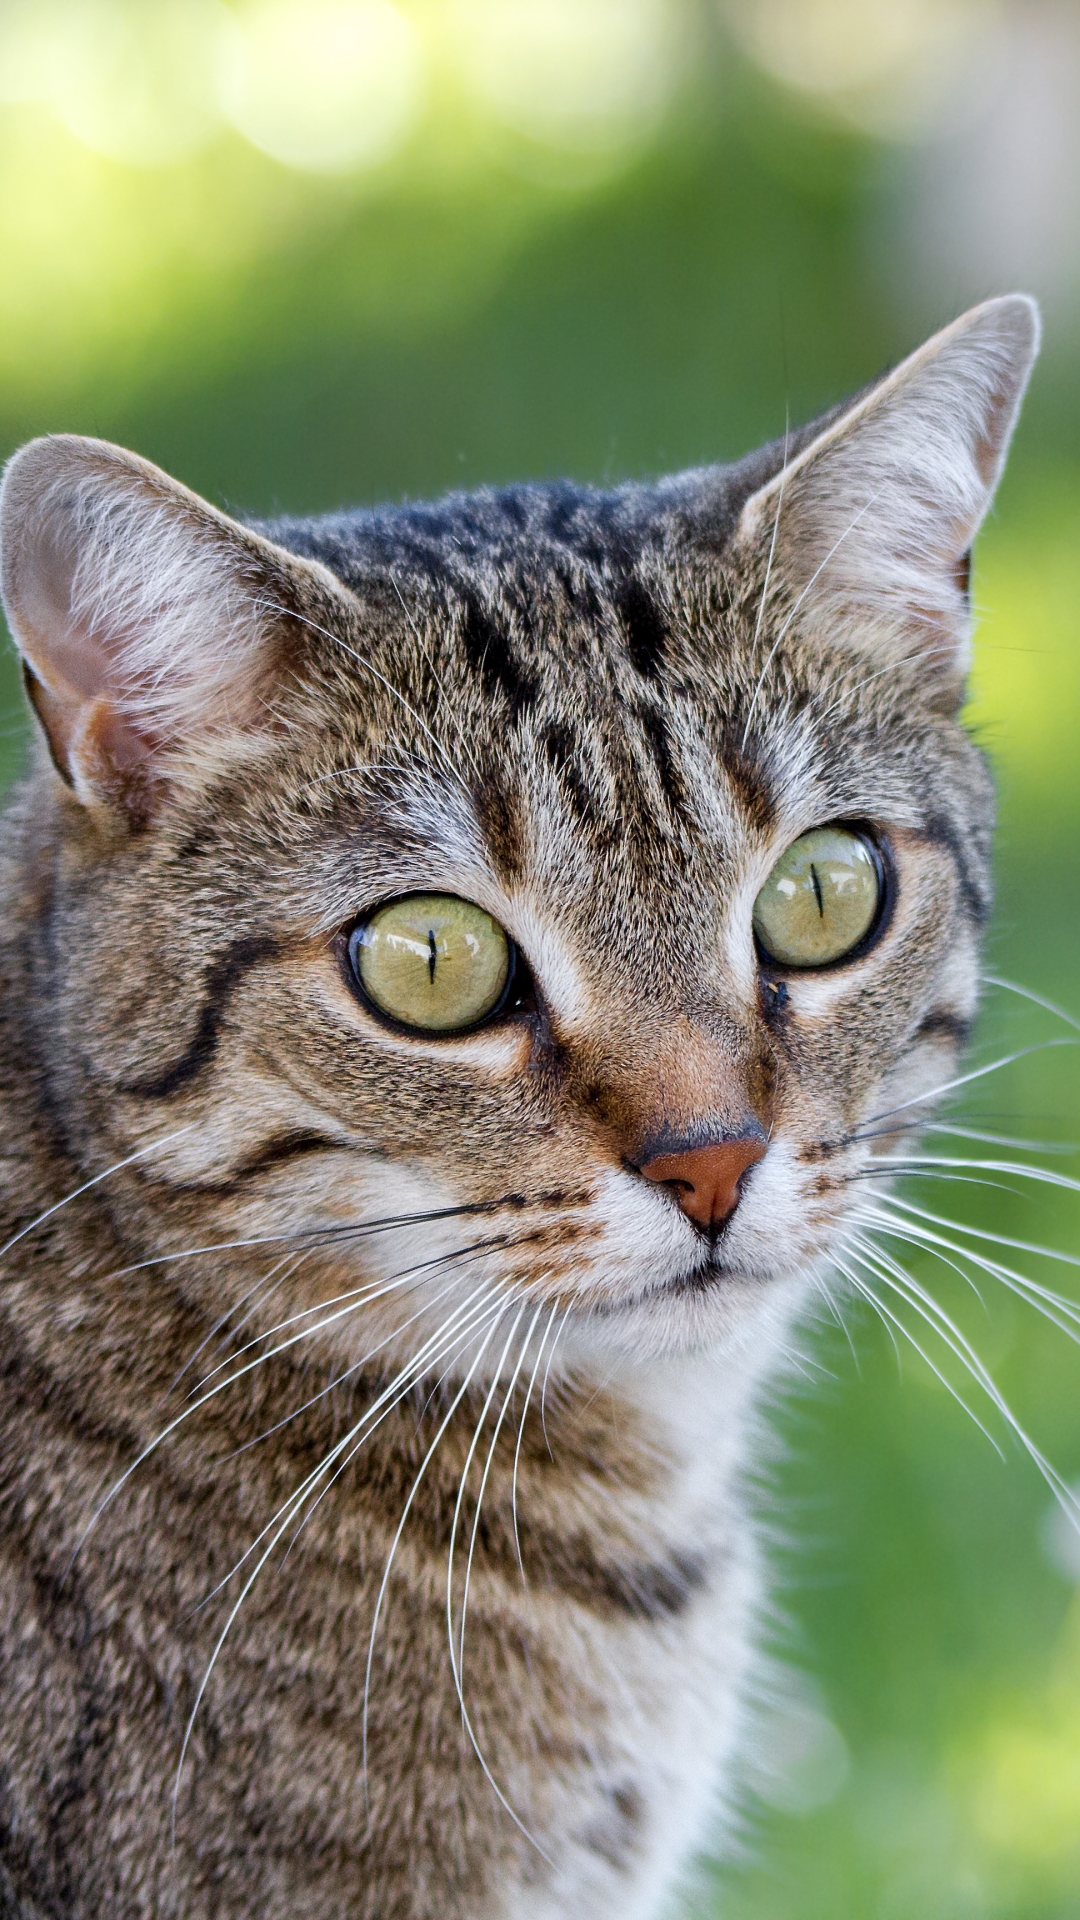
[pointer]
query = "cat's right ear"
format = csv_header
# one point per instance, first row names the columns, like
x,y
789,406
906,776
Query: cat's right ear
x,y
148,622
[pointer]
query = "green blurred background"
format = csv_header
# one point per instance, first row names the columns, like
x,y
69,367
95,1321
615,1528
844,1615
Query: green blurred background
x,y
307,252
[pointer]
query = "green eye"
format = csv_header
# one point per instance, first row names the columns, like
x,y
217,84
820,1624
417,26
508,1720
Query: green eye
x,y
820,900
432,962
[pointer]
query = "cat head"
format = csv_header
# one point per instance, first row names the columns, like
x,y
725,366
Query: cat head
x,y
548,895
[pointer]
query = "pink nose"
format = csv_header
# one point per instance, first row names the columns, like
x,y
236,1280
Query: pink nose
x,y
706,1180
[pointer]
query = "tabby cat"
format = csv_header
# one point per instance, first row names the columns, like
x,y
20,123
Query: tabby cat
x,y
456,961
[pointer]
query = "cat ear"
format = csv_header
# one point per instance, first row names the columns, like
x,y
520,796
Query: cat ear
x,y
870,527
146,620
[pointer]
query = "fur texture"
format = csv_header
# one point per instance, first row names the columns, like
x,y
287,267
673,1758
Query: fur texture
x,y
291,1298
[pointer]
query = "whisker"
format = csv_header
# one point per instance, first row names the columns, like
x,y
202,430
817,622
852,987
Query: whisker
x,y
222,1385
323,1236
292,1507
357,1367
406,1510
230,1310
434,1349
451,1348
936,1317
346,1303
1055,1307
455,1667
547,1376
521,1436
1014,1168
998,1139
894,1319
821,1287
979,1233
465,1717
965,1079
904,1169
1036,999
155,1146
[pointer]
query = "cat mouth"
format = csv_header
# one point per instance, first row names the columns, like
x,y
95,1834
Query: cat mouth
x,y
702,1275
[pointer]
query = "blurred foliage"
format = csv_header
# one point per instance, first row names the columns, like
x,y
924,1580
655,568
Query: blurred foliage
x,y
607,238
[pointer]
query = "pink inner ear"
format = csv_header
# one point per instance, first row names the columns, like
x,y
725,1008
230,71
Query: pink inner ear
x,y
116,738
73,676
59,650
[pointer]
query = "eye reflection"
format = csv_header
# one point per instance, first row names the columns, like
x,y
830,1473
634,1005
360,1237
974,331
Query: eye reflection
x,y
821,899
432,962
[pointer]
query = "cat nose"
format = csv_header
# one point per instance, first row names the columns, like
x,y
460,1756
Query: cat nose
x,y
707,1181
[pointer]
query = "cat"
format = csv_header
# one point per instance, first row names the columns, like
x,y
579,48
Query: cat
x,y
457,962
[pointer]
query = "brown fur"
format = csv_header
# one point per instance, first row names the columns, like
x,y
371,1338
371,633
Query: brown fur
x,y
585,712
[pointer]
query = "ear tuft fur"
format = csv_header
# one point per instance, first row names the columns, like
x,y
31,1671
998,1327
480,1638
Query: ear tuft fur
x,y
143,615
875,516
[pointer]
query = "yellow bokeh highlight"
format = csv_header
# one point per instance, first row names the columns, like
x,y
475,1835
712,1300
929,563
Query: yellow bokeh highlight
x,y
330,85
1024,1774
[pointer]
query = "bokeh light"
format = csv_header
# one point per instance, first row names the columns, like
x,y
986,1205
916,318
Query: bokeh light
x,y
579,74
329,85
900,70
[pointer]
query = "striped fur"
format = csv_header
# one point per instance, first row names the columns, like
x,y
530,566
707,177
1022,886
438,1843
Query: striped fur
x,y
601,716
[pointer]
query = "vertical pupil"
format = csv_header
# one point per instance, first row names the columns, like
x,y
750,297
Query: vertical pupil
x,y
432,955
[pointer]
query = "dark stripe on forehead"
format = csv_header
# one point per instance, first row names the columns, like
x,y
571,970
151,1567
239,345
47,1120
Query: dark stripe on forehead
x,y
498,812
748,779
644,627
672,785
488,652
564,755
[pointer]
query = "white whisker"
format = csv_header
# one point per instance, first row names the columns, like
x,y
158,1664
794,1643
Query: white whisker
x,y
454,1332
980,1233
193,1406
935,1316
406,1510
912,1161
547,1376
965,1079
521,1436
1036,999
220,1324
1055,1307
997,1139
118,1166
893,1320
457,1659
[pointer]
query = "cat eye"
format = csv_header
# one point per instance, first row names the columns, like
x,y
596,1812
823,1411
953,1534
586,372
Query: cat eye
x,y
822,900
432,963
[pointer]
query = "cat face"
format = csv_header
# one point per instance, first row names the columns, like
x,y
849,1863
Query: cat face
x,y
600,721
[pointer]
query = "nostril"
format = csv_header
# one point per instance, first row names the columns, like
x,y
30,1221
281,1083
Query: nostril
x,y
706,1181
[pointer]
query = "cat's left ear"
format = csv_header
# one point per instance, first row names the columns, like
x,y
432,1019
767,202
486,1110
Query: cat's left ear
x,y
866,535
150,625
